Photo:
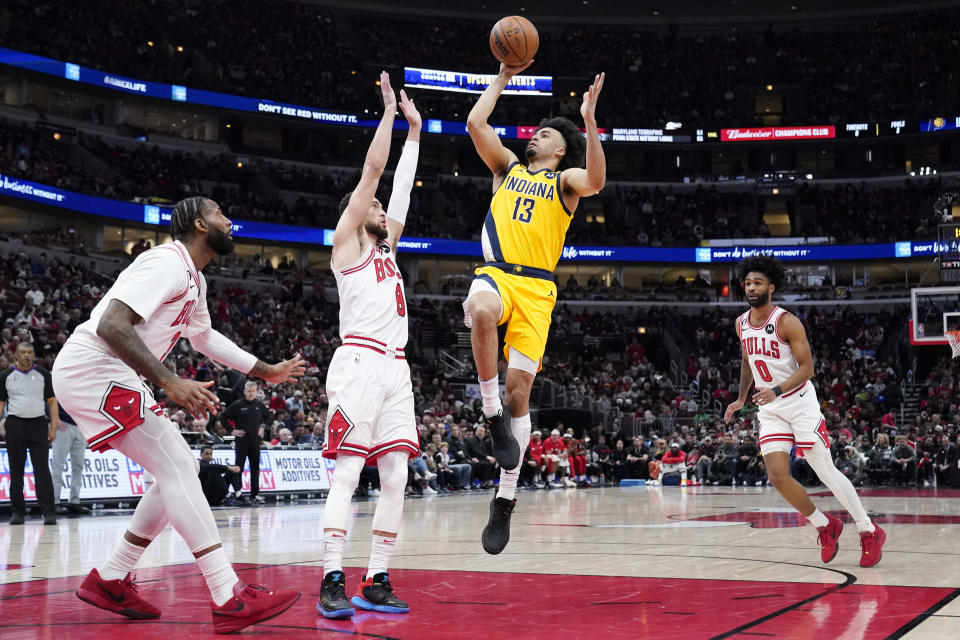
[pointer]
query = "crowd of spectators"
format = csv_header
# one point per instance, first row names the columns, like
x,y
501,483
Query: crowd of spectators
x,y
624,213
636,409
889,67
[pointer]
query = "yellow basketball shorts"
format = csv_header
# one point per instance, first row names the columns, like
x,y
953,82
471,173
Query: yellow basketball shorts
x,y
527,297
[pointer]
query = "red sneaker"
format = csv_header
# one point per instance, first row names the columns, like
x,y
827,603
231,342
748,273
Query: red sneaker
x,y
250,604
118,596
871,546
827,537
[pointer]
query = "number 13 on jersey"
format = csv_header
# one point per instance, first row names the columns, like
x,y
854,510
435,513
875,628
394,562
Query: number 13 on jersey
x,y
523,209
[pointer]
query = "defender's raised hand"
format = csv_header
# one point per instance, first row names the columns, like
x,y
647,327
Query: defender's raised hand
x,y
389,98
410,111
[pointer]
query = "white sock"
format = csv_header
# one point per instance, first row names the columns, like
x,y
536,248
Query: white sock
x,y
817,519
490,393
219,574
866,525
839,484
380,552
333,542
520,428
121,562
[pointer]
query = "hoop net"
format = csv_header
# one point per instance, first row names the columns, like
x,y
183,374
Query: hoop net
x,y
953,339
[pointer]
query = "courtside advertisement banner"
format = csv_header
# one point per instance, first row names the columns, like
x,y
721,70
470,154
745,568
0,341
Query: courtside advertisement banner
x,y
765,134
111,475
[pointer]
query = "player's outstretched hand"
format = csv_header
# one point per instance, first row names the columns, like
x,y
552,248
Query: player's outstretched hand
x,y
389,97
410,111
589,107
193,396
286,371
508,72
732,408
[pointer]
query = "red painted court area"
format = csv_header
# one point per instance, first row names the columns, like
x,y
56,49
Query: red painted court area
x,y
456,604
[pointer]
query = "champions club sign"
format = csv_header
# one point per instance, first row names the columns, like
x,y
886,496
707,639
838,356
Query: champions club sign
x,y
763,134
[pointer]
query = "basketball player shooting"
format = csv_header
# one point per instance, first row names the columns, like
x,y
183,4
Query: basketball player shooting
x,y
522,237
777,357
157,300
371,416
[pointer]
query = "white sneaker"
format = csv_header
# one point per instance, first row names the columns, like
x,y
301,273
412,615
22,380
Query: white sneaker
x,y
555,484
429,475
429,491
567,482
259,500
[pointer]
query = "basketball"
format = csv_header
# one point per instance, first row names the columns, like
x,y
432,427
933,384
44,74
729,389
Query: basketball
x,y
514,41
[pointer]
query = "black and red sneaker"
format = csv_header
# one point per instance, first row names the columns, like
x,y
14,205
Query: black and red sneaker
x,y
250,604
116,596
827,537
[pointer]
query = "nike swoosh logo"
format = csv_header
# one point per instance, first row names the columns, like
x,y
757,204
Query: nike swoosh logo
x,y
230,612
803,394
117,599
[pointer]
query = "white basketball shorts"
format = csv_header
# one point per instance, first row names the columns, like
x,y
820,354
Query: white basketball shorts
x,y
792,419
370,403
105,396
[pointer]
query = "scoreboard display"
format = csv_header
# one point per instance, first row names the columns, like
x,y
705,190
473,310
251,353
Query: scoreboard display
x,y
948,251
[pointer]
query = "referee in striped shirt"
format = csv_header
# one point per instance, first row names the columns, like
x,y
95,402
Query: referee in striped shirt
x,y
27,392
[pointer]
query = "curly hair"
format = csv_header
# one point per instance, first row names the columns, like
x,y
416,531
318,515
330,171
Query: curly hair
x,y
576,155
770,267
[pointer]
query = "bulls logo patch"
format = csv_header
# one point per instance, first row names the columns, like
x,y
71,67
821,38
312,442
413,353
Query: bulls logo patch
x,y
337,429
123,406
769,328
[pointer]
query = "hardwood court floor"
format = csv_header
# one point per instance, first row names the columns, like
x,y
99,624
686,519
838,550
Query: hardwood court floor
x,y
702,562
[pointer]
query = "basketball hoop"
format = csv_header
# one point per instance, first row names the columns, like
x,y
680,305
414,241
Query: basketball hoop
x,y
953,339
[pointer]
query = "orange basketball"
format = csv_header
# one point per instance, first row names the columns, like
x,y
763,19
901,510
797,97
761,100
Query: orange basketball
x,y
514,40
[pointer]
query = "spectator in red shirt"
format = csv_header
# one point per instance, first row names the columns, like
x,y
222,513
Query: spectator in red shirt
x,y
555,451
533,463
674,461
888,421
577,456
277,403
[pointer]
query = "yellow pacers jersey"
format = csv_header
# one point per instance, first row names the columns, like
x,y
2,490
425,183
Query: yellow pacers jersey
x,y
527,221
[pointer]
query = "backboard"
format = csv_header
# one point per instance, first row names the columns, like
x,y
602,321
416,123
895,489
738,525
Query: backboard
x,y
933,310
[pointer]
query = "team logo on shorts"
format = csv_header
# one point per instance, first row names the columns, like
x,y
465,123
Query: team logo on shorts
x,y
123,406
769,328
338,429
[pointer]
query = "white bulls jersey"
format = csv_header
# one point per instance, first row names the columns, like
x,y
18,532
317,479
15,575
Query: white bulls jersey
x,y
162,286
771,358
373,306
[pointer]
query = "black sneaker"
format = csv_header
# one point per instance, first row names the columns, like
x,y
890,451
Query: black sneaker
x,y
333,601
376,594
49,518
16,518
496,534
78,509
505,447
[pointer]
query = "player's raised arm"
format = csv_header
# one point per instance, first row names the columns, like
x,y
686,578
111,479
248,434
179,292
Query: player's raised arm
x,y
589,181
406,172
373,166
485,139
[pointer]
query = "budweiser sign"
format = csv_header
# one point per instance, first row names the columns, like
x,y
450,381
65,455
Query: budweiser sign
x,y
778,133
